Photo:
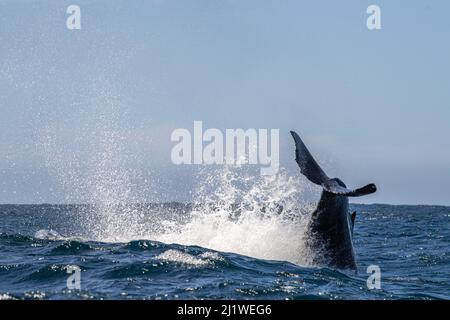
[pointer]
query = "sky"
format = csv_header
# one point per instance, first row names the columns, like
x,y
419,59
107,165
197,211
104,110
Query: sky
x,y
76,105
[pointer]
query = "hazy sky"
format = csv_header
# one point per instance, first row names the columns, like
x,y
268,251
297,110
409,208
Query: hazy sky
x,y
373,106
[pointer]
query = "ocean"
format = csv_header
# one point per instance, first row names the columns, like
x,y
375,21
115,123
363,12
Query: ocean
x,y
178,251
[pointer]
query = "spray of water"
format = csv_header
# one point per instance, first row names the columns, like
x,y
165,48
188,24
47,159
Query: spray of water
x,y
235,209
110,183
238,211
89,160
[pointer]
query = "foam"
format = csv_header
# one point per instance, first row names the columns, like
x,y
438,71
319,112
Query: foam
x,y
187,259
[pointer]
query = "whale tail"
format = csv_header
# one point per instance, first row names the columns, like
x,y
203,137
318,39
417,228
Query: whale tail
x,y
311,170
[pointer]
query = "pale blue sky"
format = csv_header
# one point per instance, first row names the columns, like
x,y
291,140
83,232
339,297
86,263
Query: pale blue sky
x,y
374,106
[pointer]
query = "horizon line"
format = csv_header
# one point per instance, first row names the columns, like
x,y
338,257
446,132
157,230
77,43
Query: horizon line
x,y
188,203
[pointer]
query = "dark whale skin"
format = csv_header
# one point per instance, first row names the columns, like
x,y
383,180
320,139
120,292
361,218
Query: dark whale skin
x,y
330,231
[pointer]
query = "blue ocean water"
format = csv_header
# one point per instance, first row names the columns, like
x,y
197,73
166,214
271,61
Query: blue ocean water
x,y
38,243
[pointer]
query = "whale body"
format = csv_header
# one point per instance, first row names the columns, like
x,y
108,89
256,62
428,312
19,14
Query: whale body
x,y
330,229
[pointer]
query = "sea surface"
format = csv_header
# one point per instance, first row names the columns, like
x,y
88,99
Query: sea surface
x,y
168,252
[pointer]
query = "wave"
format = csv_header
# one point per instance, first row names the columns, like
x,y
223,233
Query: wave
x,y
154,270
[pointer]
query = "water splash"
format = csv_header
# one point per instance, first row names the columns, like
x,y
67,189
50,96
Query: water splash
x,y
235,209
238,211
110,182
86,152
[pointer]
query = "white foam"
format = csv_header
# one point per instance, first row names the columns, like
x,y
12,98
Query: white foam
x,y
45,234
211,256
4,296
184,258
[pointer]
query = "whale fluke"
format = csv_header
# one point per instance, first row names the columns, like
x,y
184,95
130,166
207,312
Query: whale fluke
x,y
308,166
334,186
311,170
